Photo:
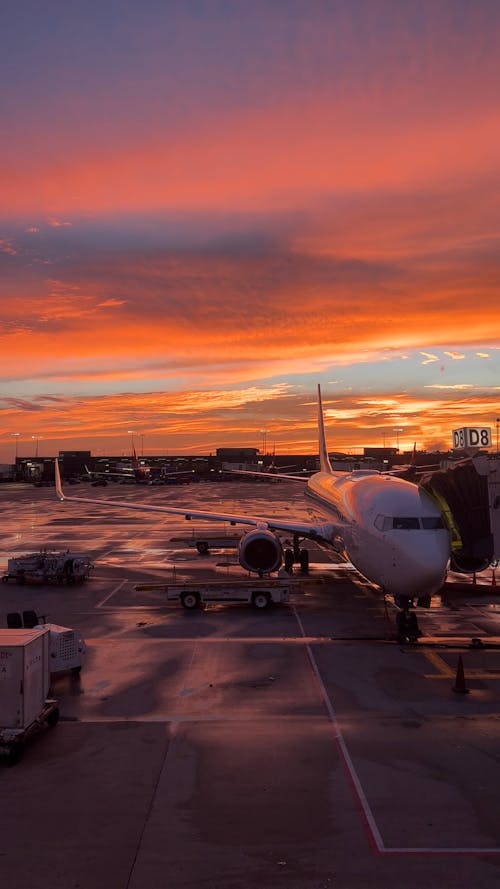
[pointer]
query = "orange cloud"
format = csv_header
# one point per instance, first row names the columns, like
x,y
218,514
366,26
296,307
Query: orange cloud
x,y
202,420
272,159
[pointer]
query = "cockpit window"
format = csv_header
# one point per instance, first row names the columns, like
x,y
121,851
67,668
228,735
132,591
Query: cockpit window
x,y
408,523
380,522
431,523
405,523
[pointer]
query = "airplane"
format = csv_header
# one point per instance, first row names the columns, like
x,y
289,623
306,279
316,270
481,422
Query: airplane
x,y
137,473
391,531
140,474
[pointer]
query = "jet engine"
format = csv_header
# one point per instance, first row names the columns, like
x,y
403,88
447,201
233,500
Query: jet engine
x,y
464,564
261,551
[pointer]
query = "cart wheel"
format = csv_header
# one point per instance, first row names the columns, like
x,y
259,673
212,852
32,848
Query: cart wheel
x,y
53,717
261,600
190,600
16,752
5,578
202,547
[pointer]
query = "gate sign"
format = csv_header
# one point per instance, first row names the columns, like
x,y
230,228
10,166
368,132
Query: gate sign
x,y
472,437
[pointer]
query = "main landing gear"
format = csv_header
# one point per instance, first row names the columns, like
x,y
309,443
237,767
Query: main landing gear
x,y
296,555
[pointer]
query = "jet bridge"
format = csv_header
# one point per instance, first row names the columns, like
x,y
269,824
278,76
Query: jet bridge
x,y
468,494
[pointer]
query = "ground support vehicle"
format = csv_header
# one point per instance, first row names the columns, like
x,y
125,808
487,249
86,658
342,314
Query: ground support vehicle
x,y
49,567
12,741
66,646
24,683
259,593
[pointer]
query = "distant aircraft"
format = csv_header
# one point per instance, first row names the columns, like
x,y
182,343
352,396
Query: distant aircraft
x,y
136,472
140,474
388,528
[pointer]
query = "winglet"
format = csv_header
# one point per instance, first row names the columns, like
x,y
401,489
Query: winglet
x,y
324,462
57,476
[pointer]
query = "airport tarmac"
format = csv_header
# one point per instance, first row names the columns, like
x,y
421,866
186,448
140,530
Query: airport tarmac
x,y
228,748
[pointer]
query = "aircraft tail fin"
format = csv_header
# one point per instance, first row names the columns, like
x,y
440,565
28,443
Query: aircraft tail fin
x,y
57,477
324,461
138,471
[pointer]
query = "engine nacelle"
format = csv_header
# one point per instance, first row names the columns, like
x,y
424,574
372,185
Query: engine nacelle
x,y
468,564
261,551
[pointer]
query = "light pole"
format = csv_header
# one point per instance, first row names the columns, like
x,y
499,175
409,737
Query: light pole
x,y
36,439
17,434
263,432
397,431
132,433
142,444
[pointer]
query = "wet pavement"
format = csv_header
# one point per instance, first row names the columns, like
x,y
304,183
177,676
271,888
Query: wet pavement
x,y
299,747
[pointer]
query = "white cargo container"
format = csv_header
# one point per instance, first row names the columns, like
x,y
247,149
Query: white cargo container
x,y
67,649
24,676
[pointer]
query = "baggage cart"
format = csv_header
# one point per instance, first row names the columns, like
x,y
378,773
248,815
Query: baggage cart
x,y
259,593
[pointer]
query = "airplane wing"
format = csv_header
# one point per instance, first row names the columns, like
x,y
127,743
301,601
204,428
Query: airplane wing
x,y
302,477
98,473
303,529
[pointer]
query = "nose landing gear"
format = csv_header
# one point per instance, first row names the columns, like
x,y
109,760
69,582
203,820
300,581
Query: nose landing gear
x,y
407,626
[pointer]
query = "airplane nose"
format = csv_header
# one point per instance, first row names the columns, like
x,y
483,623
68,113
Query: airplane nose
x,y
421,569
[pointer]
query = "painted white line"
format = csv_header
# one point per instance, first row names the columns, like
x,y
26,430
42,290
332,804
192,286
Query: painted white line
x,y
356,783
179,718
115,590
432,850
374,833
151,717
252,640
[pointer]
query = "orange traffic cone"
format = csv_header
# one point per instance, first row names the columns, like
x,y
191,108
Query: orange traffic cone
x,y
460,687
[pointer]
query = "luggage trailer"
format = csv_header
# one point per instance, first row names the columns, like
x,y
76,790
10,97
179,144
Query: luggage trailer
x,y
261,594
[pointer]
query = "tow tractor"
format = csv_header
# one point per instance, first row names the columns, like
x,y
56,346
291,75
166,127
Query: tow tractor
x,y
48,567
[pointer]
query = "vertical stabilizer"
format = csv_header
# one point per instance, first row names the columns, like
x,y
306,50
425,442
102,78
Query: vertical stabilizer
x,y
324,462
57,478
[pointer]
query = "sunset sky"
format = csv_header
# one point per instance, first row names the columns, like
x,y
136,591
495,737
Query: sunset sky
x,y
207,207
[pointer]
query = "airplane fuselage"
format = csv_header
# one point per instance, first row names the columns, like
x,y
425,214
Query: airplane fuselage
x,y
390,530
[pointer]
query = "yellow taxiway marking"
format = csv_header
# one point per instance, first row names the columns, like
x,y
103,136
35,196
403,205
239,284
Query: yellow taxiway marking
x,y
444,671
